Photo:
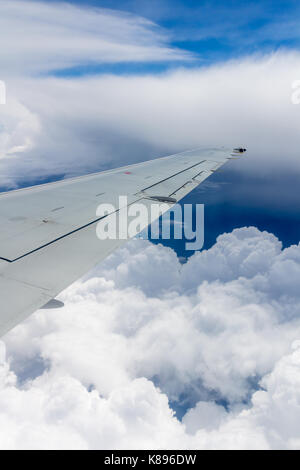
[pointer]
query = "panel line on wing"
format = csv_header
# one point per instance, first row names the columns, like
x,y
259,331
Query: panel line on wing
x,y
172,176
63,236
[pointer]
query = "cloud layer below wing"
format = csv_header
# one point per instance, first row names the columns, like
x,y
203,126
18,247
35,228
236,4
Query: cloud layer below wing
x,y
143,334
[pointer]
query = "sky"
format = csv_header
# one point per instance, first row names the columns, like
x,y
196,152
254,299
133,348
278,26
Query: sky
x,y
197,350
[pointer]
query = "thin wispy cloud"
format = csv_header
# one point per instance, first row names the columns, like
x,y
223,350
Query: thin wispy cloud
x,y
39,37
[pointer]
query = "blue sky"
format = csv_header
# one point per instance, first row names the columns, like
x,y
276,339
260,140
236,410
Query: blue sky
x,y
211,30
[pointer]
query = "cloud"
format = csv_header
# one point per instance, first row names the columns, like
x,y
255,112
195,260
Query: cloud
x,y
105,371
69,126
91,123
205,415
39,37
19,129
272,421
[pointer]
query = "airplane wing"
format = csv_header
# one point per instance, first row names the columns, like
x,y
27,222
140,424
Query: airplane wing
x,y
48,232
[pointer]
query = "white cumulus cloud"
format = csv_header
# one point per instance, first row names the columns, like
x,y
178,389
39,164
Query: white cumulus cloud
x,y
106,371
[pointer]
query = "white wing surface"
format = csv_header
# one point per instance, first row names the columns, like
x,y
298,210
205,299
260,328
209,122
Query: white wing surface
x,y
48,232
